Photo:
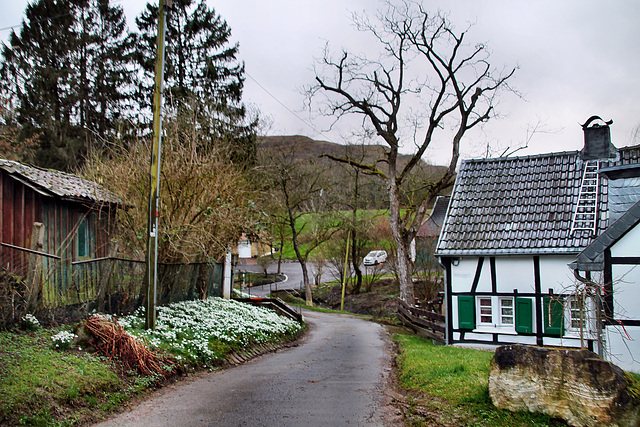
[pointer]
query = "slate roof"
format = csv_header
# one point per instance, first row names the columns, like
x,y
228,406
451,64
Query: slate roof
x,y
57,183
432,226
592,258
521,205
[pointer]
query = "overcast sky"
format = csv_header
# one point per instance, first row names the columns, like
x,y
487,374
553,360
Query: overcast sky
x,y
576,59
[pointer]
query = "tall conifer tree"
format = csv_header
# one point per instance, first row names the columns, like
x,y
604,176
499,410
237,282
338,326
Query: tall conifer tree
x,y
67,73
202,74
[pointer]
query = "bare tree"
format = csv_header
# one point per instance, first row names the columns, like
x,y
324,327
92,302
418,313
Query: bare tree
x,y
295,195
453,78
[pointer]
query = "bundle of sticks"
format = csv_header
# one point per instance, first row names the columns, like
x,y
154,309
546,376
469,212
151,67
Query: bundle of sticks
x,y
110,339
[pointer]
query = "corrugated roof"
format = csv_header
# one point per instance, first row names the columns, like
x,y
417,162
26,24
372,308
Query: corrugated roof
x,y
57,183
518,205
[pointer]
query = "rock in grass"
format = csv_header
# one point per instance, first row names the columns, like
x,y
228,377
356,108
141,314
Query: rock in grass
x,y
575,385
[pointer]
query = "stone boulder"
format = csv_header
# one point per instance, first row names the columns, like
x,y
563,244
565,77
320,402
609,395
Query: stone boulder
x,y
575,385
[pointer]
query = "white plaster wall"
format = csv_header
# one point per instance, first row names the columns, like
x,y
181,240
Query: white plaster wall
x,y
244,249
555,273
561,342
629,244
626,292
621,349
484,283
462,275
515,273
454,312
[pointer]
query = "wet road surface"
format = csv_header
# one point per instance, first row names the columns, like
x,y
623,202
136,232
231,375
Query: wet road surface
x,y
336,376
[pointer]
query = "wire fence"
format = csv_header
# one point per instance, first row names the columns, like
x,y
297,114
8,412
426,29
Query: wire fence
x,y
59,289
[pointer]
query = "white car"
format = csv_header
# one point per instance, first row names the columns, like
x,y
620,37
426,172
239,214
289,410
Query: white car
x,y
375,257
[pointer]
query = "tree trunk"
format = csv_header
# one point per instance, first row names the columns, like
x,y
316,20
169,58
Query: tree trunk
x,y
301,259
403,264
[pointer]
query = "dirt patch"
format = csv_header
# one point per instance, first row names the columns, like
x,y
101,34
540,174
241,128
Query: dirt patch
x,y
381,302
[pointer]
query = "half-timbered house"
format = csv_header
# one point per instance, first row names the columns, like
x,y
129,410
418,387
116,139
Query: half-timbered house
x,y
513,228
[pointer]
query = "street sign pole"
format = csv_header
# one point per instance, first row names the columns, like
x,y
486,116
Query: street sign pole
x,y
154,198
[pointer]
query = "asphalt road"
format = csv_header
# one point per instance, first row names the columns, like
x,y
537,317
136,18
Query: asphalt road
x,y
336,376
293,276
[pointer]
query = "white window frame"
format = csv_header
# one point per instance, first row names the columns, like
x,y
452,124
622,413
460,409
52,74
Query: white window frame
x,y
494,310
572,320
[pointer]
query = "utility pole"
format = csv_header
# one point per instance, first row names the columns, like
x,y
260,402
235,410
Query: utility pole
x,y
344,275
154,195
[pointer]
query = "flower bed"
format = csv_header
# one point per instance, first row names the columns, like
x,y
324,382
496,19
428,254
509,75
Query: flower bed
x,y
205,331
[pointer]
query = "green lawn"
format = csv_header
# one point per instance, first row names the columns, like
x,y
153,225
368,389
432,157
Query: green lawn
x,y
452,385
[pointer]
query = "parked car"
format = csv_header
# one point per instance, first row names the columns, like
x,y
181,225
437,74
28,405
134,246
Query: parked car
x,y
375,257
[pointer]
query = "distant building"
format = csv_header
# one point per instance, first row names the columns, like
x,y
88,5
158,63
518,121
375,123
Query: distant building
x,y
429,231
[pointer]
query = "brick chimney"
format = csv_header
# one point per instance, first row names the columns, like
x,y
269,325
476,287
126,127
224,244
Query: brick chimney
x,y
597,140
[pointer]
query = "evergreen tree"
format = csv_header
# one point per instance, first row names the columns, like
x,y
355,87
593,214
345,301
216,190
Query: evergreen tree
x,y
203,78
66,71
105,59
36,75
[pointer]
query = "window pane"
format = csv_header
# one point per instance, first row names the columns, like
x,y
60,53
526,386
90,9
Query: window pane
x,y
506,311
486,311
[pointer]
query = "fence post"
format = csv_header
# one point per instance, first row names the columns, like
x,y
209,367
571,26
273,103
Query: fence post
x,y
34,278
105,278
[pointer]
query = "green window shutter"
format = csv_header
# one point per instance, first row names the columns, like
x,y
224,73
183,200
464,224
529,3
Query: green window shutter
x,y
524,315
466,312
553,315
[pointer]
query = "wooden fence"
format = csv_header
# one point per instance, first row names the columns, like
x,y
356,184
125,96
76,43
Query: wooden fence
x,y
423,322
35,282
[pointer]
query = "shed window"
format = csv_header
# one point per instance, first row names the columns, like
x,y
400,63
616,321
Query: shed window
x,y
506,311
486,310
83,238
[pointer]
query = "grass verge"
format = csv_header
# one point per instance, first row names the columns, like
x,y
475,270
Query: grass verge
x,y
44,387
44,382
448,386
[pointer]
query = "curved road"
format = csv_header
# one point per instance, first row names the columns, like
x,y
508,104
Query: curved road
x,y
336,376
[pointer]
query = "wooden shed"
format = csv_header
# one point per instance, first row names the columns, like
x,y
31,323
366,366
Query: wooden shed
x,y
51,217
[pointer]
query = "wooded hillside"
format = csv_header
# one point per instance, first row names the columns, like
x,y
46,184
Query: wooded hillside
x,y
304,149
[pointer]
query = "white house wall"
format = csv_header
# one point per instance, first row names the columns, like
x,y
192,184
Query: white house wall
x,y
628,245
621,347
516,272
623,341
555,274
512,276
626,291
